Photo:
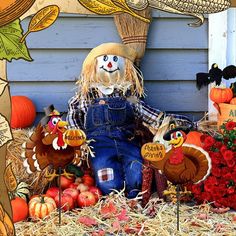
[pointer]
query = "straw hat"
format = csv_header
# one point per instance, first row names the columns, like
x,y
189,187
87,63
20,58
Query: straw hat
x,y
117,49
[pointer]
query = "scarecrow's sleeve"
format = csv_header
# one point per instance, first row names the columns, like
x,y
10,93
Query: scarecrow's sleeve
x,y
75,115
154,117
150,116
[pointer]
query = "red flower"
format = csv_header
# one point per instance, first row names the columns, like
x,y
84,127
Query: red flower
x,y
228,155
230,163
196,188
234,176
216,171
227,176
206,196
209,141
203,137
215,157
223,149
230,190
212,180
218,145
230,125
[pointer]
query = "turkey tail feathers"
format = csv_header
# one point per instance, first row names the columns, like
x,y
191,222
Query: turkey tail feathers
x,y
201,159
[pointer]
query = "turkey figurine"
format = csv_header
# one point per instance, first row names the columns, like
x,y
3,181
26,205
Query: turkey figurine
x,y
183,163
46,146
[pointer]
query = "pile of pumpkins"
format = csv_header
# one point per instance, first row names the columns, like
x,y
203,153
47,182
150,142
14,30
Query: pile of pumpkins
x,y
225,102
76,192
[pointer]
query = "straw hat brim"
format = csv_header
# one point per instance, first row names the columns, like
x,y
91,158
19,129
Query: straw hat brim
x,y
117,49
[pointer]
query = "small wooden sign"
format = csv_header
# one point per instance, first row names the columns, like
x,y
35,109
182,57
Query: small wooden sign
x,y
153,151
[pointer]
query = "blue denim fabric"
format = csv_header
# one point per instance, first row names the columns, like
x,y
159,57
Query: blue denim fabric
x,y
111,125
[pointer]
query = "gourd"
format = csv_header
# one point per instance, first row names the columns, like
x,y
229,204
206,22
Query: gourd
x,y
22,190
23,112
74,137
41,206
233,101
221,95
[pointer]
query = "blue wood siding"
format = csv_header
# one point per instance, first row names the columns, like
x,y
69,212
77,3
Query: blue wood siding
x,y
175,53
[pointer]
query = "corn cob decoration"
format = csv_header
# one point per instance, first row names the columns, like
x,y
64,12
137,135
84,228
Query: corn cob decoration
x,y
6,224
194,8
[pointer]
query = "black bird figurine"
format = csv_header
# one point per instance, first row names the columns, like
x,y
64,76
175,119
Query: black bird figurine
x,y
215,74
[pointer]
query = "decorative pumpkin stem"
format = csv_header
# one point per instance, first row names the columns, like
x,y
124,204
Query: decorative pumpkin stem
x,y
42,199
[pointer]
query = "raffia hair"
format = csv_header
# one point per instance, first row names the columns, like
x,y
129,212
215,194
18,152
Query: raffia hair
x,y
89,76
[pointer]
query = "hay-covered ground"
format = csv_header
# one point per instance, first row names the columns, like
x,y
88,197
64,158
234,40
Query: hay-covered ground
x,y
116,215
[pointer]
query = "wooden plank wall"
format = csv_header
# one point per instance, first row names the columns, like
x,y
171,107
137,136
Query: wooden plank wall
x,y
175,53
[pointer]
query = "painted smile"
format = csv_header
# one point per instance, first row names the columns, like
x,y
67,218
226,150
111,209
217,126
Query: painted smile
x,y
109,71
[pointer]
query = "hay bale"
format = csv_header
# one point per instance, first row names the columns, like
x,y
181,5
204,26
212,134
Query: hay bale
x,y
36,181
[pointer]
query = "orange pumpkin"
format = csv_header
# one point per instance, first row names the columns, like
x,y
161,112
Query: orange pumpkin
x,y
19,209
23,112
74,137
41,206
221,95
194,137
233,101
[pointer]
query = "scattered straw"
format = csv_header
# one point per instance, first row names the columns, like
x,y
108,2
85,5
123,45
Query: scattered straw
x,y
36,180
157,218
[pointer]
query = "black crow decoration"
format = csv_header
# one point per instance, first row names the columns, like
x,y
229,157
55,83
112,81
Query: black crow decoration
x,y
215,74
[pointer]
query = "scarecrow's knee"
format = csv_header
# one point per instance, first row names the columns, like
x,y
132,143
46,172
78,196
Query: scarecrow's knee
x,y
107,180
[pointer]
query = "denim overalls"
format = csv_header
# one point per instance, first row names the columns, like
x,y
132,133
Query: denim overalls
x,y
110,122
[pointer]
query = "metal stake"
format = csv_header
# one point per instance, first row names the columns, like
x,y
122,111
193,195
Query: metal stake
x,y
60,191
178,203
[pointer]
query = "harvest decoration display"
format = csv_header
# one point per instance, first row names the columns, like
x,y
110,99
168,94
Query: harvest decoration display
x,y
25,56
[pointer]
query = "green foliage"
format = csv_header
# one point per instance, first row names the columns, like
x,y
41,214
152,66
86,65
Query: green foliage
x,y
10,45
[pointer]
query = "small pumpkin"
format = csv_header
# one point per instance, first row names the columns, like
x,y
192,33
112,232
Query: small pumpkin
x,y
19,209
74,137
23,112
41,206
194,137
233,101
221,95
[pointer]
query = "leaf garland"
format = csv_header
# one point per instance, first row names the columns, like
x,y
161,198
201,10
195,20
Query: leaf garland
x,y
10,46
10,179
108,7
5,131
3,85
42,19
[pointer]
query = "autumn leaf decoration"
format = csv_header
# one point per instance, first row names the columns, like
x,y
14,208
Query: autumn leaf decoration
x,y
108,7
10,179
6,224
42,19
10,46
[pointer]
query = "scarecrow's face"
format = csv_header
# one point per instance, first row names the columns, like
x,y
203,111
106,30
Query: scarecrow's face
x,y
110,64
110,72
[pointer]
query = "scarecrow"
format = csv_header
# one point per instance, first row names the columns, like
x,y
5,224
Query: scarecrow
x,y
107,106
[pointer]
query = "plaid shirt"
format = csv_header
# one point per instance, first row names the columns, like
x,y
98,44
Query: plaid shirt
x,y
77,110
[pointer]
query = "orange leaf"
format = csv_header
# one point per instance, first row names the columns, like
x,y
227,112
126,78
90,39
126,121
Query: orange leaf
x,y
88,221
116,226
109,210
123,215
